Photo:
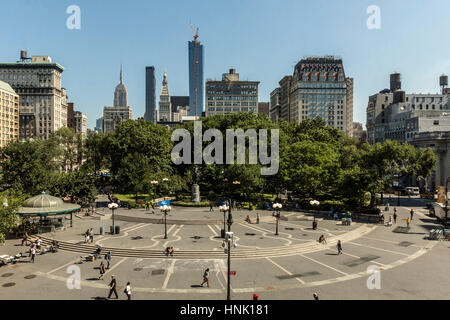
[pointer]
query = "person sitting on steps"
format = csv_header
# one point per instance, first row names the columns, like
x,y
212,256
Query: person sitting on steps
x,y
322,239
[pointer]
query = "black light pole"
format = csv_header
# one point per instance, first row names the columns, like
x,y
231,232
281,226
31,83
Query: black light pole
x,y
277,207
165,209
113,206
446,201
229,270
224,209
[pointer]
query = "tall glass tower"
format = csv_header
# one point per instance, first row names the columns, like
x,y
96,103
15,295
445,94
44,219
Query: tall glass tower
x,y
150,94
196,95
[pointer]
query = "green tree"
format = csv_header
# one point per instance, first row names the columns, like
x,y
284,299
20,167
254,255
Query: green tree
x,y
10,203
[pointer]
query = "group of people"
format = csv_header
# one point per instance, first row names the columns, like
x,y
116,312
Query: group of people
x,y
393,218
323,241
169,251
89,236
113,288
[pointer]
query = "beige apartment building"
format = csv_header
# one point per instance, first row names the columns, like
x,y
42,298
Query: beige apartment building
x,y
43,102
9,116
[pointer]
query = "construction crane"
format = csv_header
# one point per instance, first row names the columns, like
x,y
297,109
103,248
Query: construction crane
x,y
194,33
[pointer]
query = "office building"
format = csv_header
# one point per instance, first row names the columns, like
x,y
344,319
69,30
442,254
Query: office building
x,y
9,116
196,63
71,115
150,94
318,88
231,95
165,108
43,102
113,116
99,125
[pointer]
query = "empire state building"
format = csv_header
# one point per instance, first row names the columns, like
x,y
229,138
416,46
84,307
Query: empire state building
x,y
120,111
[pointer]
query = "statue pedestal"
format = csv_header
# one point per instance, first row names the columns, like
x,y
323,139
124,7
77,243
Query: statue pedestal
x,y
195,195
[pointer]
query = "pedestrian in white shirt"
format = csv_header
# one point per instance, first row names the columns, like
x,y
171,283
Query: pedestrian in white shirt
x,y
128,290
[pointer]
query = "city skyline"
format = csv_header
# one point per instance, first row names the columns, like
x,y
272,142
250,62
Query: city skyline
x,y
264,42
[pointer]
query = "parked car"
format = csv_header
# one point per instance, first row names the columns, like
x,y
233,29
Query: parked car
x,y
414,191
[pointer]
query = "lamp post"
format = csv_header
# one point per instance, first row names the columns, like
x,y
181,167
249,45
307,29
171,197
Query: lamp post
x,y
226,244
165,209
314,203
224,208
113,206
154,183
446,201
277,207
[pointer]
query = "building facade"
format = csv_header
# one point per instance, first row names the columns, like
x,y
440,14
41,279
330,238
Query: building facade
x,y
196,63
71,115
80,123
165,107
99,125
43,102
422,120
263,108
318,88
9,116
113,116
150,94
231,95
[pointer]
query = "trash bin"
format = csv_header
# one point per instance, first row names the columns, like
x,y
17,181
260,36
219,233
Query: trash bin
x,y
102,230
111,229
222,233
117,229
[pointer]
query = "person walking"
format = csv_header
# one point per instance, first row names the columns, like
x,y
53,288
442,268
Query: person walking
x,y
339,247
91,235
33,253
411,213
206,278
211,208
108,259
38,243
25,239
102,271
113,287
128,290
408,222
395,216
257,218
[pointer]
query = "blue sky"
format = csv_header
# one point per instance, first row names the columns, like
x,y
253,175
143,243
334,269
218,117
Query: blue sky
x,y
262,39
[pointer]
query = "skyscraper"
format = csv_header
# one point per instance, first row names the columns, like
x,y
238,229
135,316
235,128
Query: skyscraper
x,y
165,109
113,116
150,94
196,61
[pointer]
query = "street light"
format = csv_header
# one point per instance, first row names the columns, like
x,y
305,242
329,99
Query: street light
x,y
165,209
113,206
314,203
277,206
224,208
226,244
446,201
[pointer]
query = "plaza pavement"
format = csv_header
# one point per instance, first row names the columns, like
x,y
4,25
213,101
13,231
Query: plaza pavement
x,y
411,267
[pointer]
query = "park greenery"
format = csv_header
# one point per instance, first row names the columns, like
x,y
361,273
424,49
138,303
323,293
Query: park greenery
x,y
316,162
